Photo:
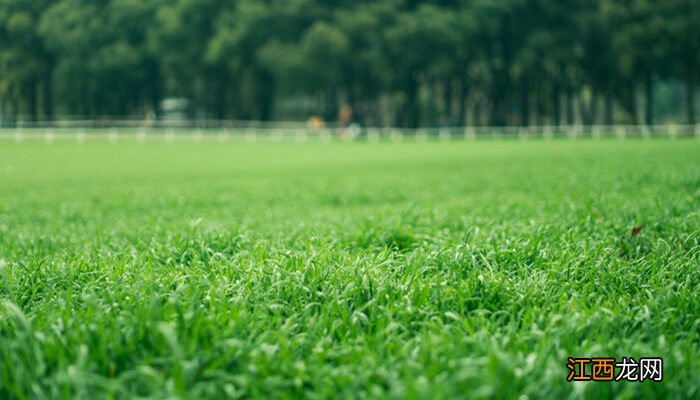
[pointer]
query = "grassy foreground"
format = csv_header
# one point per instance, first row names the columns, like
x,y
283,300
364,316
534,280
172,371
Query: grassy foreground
x,y
346,270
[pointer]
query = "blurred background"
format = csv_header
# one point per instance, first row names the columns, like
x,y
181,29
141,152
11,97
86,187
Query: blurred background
x,y
402,63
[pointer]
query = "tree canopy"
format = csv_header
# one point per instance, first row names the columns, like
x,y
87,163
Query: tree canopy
x,y
395,62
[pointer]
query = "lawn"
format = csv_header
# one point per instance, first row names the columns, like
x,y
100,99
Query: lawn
x,y
346,270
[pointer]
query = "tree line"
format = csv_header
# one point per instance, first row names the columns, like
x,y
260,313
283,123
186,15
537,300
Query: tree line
x,y
394,62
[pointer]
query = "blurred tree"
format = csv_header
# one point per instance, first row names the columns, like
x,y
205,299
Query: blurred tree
x,y
638,49
425,62
180,39
241,37
316,64
598,59
103,64
25,63
418,43
677,28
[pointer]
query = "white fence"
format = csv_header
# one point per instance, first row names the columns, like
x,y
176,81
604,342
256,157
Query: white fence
x,y
301,134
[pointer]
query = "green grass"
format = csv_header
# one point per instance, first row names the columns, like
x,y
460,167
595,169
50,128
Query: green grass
x,y
346,270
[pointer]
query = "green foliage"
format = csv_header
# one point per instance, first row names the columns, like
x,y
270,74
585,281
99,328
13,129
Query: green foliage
x,y
25,63
434,270
416,62
103,64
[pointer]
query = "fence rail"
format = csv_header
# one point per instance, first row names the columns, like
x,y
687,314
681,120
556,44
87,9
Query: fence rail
x,y
302,133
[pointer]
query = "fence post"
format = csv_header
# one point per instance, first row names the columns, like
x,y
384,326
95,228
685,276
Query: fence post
x,y
197,135
324,135
80,136
223,135
49,136
113,135
250,135
141,135
300,135
445,134
672,131
547,132
19,135
421,135
620,132
469,133
373,134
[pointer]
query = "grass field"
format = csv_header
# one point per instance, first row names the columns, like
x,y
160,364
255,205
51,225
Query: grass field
x,y
346,270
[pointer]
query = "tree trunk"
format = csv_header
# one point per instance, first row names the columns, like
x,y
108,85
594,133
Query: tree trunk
x,y
690,98
265,95
585,108
608,109
16,110
48,98
649,103
411,116
463,92
499,112
537,109
330,109
631,103
525,106
33,101
433,102
569,99
448,100
557,106
592,108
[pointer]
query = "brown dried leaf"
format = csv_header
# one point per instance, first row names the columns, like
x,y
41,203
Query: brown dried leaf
x,y
636,230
